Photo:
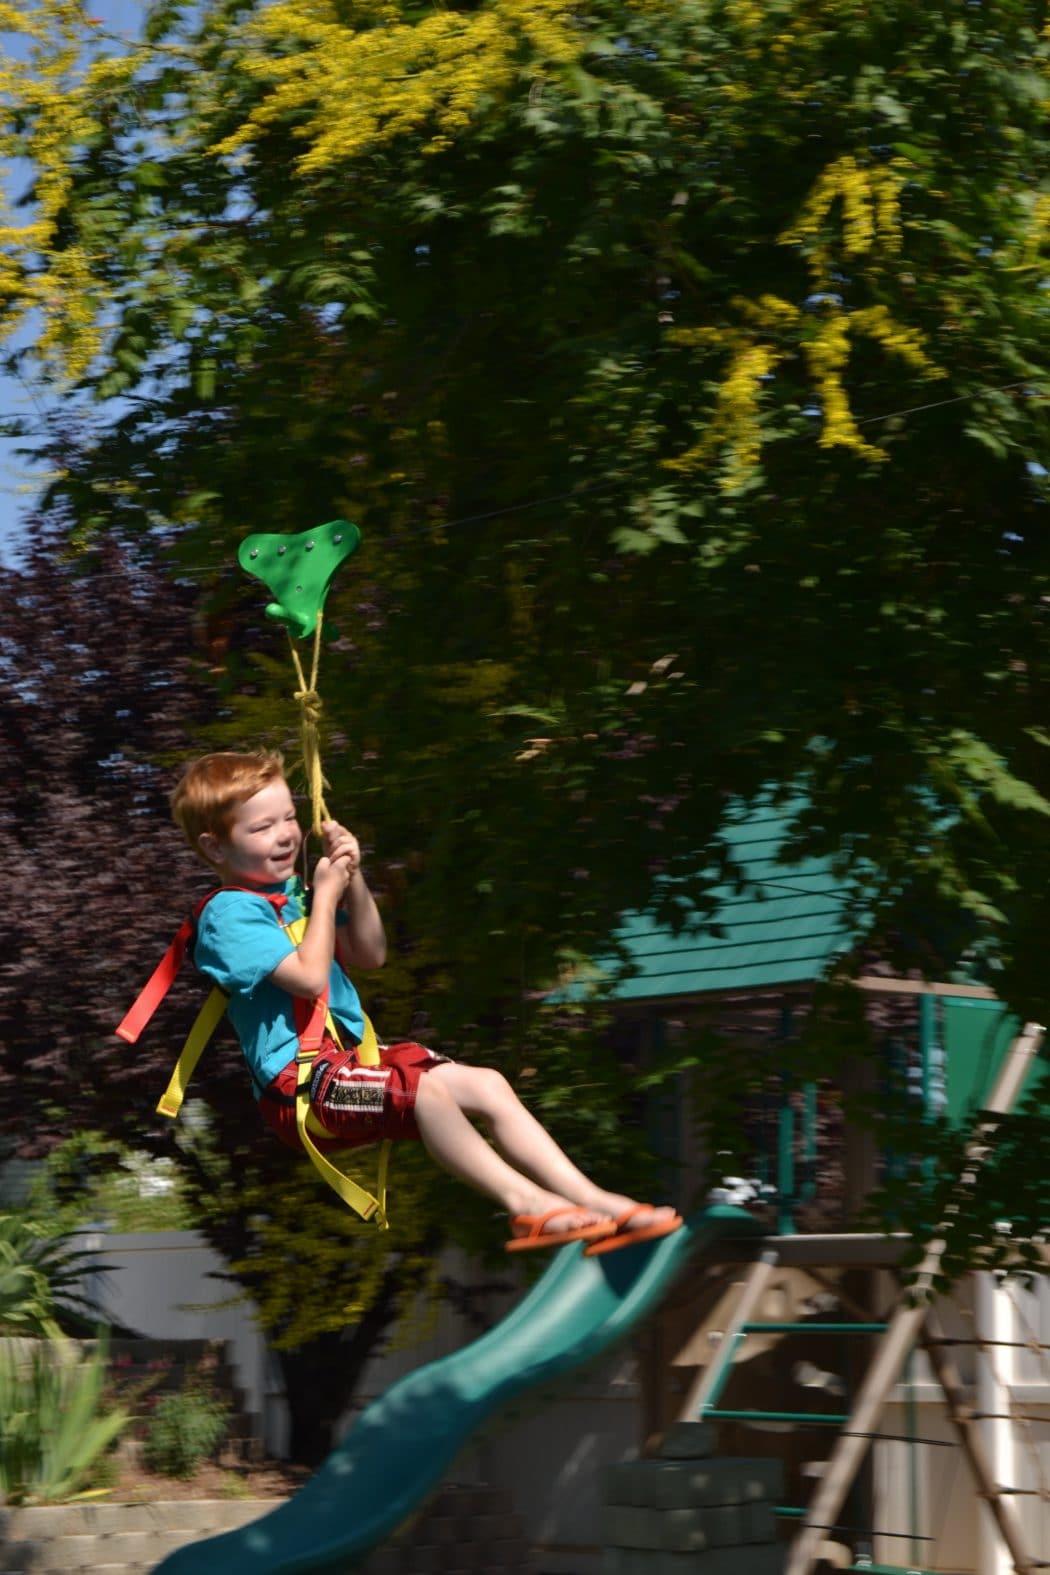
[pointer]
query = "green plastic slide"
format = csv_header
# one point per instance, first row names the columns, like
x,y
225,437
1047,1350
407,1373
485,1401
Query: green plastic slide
x,y
402,1445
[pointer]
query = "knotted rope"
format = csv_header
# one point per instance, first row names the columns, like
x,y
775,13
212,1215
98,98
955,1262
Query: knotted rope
x,y
309,721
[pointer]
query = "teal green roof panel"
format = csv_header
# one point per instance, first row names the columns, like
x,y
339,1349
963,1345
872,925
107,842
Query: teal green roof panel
x,y
780,923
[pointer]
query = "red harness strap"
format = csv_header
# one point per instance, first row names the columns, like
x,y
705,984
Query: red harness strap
x,y
157,985
166,972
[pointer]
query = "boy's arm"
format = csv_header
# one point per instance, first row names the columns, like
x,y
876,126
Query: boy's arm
x,y
305,971
361,943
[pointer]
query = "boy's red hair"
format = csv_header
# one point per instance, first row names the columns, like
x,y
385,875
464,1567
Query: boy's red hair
x,y
210,789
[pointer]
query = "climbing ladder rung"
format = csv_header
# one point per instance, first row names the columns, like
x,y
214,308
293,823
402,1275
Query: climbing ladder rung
x,y
806,1418
885,1569
793,1512
812,1328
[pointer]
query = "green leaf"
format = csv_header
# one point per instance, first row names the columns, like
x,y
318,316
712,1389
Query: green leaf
x,y
204,380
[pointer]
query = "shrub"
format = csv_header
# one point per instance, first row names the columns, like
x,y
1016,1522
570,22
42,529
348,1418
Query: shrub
x,y
184,1430
56,1424
40,1277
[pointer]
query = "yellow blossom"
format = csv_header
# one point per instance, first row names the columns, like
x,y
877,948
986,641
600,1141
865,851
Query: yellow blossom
x,y
878,324
769,311
734,430
746,14
870,203
828,355
60,283
347,88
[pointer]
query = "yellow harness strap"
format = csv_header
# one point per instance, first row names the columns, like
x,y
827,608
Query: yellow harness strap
x,y
207,1020
205,1024
307,1124
370,1208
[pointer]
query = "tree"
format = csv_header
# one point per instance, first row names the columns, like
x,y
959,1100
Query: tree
x,y
685,367
97,690
760,236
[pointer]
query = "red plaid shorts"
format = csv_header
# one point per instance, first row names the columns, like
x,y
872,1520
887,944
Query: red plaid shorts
x,y
356,1104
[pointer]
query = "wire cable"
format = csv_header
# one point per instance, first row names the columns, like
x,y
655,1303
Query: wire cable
x,y
611,483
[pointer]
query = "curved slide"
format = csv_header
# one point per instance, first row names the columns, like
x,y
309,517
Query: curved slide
x,y
401,1446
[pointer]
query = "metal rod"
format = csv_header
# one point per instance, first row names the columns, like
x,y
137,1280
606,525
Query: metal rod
x,y
814,1328
805,1418
820,1416
1006,1416
845,1249
786,1170
911,1438
978,1340
810,1109
787,1511
886,1569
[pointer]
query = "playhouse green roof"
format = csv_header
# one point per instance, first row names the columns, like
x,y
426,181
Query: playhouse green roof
x,y
783,923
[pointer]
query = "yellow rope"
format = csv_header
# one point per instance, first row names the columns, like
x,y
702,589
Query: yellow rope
x,y
351,1193
309,719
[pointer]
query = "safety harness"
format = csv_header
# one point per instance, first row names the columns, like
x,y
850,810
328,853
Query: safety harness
x,y
312,1021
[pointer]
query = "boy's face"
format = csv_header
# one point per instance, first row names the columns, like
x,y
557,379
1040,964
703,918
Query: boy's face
x,y
262,844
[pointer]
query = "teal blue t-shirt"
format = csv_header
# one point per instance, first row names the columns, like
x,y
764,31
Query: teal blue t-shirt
x,y
239,944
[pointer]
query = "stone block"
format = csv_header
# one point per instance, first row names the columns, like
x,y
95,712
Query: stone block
x,y
18,1556
383,1562
505,1554
120,1569
675,1530
423,1560
61,1539
33,1525
719,1561
207,1517
760,1523
683,1484
484,1527
689,1441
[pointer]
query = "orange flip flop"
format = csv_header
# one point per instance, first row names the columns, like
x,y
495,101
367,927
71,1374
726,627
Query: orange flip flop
x,y
529,1233
622,1237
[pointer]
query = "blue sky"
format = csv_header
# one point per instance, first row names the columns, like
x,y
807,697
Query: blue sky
x,y
14,474
122,17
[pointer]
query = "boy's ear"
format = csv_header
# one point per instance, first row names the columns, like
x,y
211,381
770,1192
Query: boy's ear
x,y
210,847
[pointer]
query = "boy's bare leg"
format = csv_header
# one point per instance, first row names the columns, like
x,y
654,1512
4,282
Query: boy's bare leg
x,y
526,1145
459,1148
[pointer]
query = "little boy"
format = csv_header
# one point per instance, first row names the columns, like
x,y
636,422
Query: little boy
x,y
236,812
